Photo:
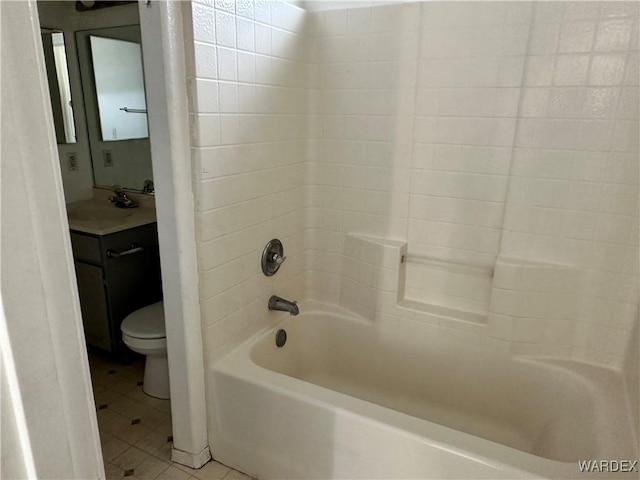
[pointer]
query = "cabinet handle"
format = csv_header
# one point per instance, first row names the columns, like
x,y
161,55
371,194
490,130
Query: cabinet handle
x,y
134,249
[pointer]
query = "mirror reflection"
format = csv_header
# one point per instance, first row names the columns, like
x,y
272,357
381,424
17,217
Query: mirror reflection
x,y
114,98
96,58
117,69
55,57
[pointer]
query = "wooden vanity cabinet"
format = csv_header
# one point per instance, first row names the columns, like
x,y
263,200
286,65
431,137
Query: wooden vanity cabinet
x,y
110,288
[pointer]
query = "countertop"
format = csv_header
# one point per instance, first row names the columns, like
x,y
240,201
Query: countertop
x,y
98,216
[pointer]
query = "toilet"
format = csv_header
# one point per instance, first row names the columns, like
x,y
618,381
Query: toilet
x,y
143,332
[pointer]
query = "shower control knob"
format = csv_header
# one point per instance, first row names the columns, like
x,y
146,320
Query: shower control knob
x,y
272,257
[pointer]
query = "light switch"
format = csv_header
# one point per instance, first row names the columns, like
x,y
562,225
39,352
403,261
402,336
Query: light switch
x,y
72,161
108,159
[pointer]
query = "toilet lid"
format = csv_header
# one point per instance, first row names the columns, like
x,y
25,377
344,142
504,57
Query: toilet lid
x,y
147,322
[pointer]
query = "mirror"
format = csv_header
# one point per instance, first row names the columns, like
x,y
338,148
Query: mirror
x,y
55,57
117,70
113,80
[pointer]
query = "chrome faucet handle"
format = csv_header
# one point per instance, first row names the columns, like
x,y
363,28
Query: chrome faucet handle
x,y
278,259
121,199
117,189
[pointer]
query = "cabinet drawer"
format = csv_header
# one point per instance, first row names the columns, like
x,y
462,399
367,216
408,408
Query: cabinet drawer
x,y
86,248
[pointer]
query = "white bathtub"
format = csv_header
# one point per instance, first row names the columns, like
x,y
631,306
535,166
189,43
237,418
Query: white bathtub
x,y
342,400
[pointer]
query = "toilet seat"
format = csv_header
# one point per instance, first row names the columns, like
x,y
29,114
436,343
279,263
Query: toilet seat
x,y
145,323
145,346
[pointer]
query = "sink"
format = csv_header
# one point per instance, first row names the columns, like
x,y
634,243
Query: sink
x,y
100,217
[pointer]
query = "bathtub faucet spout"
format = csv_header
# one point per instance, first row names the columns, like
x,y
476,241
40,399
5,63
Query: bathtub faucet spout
x,y
277,303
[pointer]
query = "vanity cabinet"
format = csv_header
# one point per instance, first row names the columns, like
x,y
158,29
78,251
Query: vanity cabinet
x,y
117,274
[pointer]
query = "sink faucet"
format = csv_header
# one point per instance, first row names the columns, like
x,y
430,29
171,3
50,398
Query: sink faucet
x,y
277,303
120,199
148,187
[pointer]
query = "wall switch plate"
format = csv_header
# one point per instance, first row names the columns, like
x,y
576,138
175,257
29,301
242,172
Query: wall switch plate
x,y
108,159
72,161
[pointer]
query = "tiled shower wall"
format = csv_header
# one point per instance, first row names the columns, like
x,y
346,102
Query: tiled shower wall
x,y
362,111
472,130
470,68
415,120
479,130
248,76
573,193
416,113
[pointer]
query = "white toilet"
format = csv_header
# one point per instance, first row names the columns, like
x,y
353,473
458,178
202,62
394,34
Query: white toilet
x,y
143,332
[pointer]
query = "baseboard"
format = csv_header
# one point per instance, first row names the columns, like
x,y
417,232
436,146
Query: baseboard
x,y
191,460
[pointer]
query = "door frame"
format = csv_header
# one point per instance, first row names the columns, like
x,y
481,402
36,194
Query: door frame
x,y
33,145
161,28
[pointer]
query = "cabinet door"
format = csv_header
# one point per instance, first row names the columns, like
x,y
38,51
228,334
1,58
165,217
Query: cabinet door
x,y
93,302
132,281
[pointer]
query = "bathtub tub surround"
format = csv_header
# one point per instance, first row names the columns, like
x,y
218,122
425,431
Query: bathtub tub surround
x,y
457,181
331,416
351,381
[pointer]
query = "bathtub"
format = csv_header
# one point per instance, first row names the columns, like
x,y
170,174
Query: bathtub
x,y
349,398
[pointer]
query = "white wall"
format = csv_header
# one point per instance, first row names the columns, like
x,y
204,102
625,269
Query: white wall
x,y
42,343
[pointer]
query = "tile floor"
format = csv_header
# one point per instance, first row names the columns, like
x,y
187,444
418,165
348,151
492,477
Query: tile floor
x,y
135,429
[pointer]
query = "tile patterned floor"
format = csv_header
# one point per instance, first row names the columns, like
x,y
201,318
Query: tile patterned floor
x,y
135,429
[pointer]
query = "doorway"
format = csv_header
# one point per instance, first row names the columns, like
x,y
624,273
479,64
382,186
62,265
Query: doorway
x,y
165,83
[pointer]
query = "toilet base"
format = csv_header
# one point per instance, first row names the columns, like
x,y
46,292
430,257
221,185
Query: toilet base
x,y
156,376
